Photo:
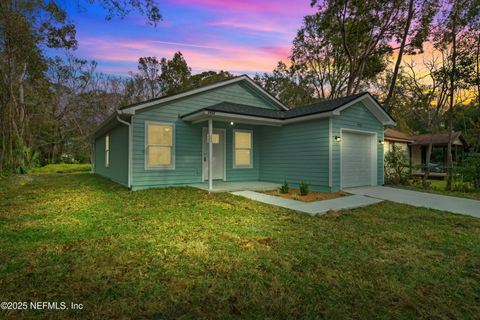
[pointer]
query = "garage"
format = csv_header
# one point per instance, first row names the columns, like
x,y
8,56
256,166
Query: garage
x,y
358,159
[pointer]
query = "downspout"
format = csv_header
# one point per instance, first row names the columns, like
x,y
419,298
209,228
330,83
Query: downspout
x,y
93,155
129,125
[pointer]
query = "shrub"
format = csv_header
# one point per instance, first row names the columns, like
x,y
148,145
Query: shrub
x,y
462,186
304,188
470,172
284,188
397,167
27,158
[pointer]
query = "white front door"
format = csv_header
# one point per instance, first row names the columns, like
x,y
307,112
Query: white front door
x,y
218,159
358,159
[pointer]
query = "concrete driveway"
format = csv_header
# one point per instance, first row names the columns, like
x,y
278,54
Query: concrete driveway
x,y
421,199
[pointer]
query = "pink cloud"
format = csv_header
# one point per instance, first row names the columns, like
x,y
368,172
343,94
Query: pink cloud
x,y
200,57
245,25
278,51
284,7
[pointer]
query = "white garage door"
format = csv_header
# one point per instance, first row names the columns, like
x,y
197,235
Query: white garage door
x,y
357,159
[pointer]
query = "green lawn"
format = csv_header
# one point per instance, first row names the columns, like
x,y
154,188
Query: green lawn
x,y
438,187
62,168
183,253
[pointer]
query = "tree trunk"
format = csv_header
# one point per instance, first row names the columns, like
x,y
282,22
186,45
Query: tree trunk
x,y
452,92
426,171
391,89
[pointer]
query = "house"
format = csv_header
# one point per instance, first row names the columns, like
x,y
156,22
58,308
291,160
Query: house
x,y
396,138
234,130
438,157
416,147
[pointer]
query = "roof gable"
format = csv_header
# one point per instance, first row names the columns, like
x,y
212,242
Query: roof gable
x,y
371,104
439,138
244,80
395,135
320,109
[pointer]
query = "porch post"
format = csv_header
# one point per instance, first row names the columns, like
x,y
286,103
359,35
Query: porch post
x,y
210,154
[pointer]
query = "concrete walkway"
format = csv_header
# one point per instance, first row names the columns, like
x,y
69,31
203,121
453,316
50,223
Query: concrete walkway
x,y
229,186
421,199
312,208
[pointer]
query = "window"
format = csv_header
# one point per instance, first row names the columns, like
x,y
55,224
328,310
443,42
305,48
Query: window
x,y
107,151
215,138
159,145
242,153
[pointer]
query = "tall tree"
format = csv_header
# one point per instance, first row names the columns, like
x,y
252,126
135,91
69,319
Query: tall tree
x,y
175,73
148,77
318,60
365,30
414,23
457,19
423,101
207,77
287,86
27,29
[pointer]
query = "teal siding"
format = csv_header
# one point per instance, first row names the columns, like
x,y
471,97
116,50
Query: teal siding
x,y
188,138
241,174
118,169
357,117
296,152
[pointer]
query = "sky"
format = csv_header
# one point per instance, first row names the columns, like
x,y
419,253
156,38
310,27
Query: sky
x,y
243,37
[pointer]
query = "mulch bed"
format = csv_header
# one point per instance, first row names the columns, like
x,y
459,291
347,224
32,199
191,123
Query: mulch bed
x,y
294,194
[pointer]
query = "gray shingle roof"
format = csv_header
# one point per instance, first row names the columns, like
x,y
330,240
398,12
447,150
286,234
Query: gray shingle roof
x,y
319,107
322,106
242,109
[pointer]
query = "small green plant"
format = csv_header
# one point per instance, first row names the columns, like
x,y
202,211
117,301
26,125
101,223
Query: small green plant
x,y
284,188
304,188
397,168
471,170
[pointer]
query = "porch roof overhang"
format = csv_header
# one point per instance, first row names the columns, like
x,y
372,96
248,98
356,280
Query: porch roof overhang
x,y
204,115
249,115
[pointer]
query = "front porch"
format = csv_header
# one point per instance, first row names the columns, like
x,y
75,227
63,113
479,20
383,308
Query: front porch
x,y
231,186
231,146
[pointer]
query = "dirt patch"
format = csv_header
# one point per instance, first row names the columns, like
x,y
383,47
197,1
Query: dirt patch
x,y
294,194
331,214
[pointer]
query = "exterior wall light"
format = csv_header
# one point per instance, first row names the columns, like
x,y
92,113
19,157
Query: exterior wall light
x,y
338,139
231,123
381,141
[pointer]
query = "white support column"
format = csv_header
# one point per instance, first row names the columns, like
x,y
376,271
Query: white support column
x,y
210,155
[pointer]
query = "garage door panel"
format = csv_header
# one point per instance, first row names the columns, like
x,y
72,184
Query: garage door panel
x,y
356,159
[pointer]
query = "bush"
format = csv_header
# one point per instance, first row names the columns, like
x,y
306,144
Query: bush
x,y
397,167
470,172
27,158
304,188
284,188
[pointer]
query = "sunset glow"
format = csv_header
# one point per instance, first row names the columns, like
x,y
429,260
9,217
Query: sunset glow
x,y
240,37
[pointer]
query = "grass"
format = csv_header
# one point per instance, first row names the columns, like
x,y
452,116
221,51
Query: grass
x,y
62,168
183,253
311,196
438,187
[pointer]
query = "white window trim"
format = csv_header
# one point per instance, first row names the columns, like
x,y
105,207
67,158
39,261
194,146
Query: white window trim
x,y
107,150
145,153
234,148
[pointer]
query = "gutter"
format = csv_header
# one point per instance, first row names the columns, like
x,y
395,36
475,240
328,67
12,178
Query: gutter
x,y
129,125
